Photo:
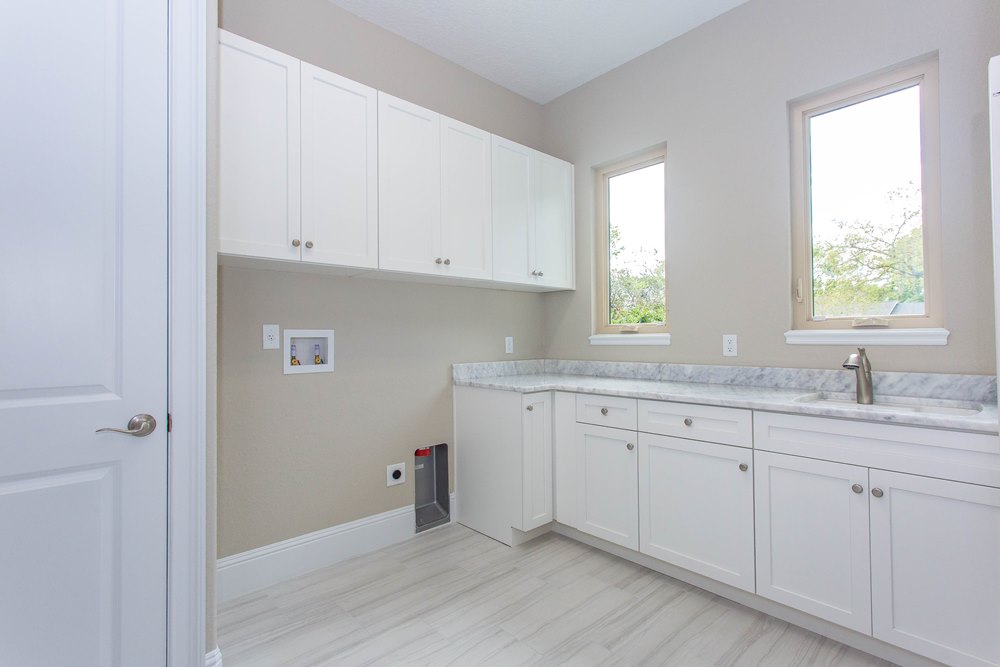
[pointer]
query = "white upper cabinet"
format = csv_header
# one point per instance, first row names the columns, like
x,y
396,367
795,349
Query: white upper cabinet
x,y
532,217
409,181
339,170
259,177
466,192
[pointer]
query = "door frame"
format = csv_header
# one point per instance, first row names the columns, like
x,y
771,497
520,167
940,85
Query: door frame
x,y
187,238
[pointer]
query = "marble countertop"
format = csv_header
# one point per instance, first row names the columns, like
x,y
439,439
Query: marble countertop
x,y
795,401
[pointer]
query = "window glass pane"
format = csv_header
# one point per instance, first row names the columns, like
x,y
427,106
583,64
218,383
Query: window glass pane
x,y
636,293
867,231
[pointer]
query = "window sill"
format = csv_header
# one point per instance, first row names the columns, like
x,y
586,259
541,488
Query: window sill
x,y
867,337
630,339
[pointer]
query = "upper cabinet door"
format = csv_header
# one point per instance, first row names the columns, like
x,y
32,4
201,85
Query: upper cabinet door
x,y
812,537
466,215
409,177
935,573
551,252
339,170
513,210
259,179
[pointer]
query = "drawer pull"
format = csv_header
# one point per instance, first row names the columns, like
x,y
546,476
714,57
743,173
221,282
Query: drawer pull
x,y
877,492
630,446
857,488
604,411
744,467
688,421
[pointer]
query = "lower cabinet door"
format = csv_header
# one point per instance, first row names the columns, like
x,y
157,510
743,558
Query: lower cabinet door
x,y
696,507
935,571
812,537
607,484
536,459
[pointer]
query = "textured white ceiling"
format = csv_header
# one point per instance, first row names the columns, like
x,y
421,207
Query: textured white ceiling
x,y
539,48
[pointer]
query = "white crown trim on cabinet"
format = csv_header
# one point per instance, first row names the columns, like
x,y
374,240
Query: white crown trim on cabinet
x,y
867,337
271,564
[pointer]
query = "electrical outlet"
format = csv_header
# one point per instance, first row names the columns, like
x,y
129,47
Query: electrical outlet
x,y
508,345
395,474
729,348
271,335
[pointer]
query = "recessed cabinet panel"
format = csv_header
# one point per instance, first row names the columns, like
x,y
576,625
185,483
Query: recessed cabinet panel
x,y
339,170
536,461
259,176
607,486
812,537
731,426
513,210
696,507
466,213
613,411
935,570
409,177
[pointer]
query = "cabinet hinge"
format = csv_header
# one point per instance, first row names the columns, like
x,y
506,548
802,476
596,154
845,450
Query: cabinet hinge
x,y
170,423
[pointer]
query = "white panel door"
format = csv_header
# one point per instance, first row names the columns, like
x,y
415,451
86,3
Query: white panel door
x,y
536,461
607,486
935,570
696,507
83,333
551,250
409,187
513,210
466,214
812,537
339,170
259,177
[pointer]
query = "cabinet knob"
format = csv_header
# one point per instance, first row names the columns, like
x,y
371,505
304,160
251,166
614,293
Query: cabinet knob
x,y
688,421
296,243
530,408
604,411
309,244
857,488
438,260
877,492
534,273
744,467
630,446
540,274
447,262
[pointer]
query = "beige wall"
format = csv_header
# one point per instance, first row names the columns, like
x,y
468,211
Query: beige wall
x,y
301,453
717,96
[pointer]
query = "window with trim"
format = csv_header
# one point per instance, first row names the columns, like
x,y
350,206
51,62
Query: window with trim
x,y
631,294
865,203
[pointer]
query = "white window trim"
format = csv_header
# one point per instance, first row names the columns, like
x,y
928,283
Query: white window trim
x,y
630,339
602,328
854,337
925,71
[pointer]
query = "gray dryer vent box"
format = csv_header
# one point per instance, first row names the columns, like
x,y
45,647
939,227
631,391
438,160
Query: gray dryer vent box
x,y
430,478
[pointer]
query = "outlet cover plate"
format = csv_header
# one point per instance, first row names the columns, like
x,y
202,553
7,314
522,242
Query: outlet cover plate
x,y
508,345
729,348
272,337
390,469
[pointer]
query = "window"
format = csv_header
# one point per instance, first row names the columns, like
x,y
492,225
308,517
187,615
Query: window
x,y
631,279
865,203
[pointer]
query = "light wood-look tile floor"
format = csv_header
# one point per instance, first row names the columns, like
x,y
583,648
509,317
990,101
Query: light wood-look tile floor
x,y
455,597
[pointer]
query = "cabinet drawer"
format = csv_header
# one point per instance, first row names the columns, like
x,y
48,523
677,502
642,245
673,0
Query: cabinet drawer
x,y
606,411
729,426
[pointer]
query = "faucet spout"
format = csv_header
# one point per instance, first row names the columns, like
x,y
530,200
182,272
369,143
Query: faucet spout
x,y
863,372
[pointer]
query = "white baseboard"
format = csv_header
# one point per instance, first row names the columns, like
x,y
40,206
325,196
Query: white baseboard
x,y
214,658
253,570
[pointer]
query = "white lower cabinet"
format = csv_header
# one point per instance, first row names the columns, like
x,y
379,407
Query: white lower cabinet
x,y
812,537
536,461
607,484
696,507
935,567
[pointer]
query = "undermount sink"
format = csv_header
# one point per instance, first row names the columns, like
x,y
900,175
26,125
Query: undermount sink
x,y
895,404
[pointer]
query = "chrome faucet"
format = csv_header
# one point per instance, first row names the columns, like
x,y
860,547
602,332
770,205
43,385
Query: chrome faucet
x,y
858,362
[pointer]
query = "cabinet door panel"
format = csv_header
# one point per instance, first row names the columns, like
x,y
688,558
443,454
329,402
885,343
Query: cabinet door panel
x,y
696,507
935,571
466,213
339,170
536,461
513,211
259,178
608,494
409,186
812,537
552,242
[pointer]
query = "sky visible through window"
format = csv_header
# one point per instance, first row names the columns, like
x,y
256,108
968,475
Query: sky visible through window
x,y
636,261
866,208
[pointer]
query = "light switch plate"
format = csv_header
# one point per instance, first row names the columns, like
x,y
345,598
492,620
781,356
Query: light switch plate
x,y
272,338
